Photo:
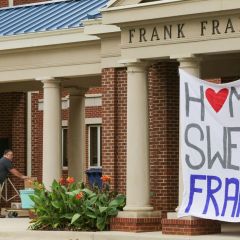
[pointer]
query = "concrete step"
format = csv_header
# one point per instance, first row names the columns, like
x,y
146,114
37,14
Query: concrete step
x,y
16,228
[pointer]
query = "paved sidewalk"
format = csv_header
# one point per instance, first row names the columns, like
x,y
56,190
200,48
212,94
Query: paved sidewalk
x,y
16,228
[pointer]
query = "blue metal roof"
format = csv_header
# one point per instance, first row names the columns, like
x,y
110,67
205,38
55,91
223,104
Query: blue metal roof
x,y
48,16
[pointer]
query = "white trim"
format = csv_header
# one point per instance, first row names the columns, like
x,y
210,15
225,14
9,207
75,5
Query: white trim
x,y
88,147
111,2
40,105
91,100
98,143
137,5
95,95
91,121
29,134
65,103
42,39
88,157
64,123
10,3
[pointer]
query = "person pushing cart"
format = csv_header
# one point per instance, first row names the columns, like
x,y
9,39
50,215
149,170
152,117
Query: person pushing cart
x,y
6,167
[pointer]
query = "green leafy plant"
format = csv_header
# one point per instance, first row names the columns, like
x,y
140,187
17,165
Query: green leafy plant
x,y
70,205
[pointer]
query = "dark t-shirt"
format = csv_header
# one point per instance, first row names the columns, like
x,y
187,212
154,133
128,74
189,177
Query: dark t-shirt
x,y
5,166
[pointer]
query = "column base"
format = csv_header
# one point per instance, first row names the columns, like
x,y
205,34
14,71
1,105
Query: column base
x,y
189,225
145,221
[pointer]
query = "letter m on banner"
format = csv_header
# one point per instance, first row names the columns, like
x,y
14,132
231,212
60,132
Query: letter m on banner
x,y
210,148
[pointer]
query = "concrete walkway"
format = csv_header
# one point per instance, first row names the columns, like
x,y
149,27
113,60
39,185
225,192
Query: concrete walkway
x,y
16,228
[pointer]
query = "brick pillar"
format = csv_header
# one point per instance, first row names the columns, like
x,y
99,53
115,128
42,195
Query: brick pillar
x,y
163,135
37,137
109,124
19,144
114,126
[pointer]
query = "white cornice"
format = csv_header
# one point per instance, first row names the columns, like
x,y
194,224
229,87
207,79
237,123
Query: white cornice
x,y
166,9
111,3
43,39
112,7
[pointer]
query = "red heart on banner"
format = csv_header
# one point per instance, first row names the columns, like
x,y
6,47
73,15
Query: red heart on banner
x,y
216,100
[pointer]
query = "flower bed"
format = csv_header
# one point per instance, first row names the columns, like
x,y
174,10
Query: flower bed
x,y
70,205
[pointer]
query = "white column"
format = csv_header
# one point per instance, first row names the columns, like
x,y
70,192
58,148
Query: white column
x,y
52,133
76,137
138,182
10,3
29,134
192,66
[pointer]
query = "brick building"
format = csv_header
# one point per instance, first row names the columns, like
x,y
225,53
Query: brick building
x,y
80,90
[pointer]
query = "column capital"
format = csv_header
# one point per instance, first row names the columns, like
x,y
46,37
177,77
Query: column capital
x,y
49,81
186,62
76,91
135,65
190,65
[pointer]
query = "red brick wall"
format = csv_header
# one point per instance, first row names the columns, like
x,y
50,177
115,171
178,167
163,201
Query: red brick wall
x,y
164,137
20,2
13,126
109,124
93,112
164,128
95,90
3,3
114,110
121,131
37,137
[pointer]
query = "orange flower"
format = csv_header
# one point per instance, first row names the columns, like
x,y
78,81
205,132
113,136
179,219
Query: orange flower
x,y
106,179
79,196
62,181
70,180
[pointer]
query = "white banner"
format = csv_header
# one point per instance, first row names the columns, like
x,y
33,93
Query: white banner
x,y
210,148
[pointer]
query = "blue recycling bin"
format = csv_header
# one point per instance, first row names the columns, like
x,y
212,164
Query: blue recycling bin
x,y
94,176
27,203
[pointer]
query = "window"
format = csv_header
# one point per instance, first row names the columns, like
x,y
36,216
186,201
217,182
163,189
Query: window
x,y
94,146
64,147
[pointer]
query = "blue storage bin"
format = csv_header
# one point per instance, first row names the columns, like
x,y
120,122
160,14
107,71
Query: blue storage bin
x,y
25,199
94,176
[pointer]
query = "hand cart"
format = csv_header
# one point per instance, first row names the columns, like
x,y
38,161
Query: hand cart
x,y
10,212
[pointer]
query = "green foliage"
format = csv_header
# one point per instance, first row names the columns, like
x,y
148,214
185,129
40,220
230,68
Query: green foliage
x,y
74,207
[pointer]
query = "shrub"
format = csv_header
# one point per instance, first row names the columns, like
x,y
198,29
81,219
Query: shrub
x,y
70,205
